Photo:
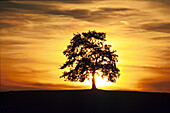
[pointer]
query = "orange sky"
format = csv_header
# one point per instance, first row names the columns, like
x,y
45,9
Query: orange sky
x,y
33,35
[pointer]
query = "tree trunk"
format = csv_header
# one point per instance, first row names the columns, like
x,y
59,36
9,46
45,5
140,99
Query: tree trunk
x,y
93,81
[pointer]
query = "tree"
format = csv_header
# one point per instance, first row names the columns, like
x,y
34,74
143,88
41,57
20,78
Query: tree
x,y
86,54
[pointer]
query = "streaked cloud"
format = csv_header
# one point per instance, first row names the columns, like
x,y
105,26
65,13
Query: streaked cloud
x,y
157,85
102,13
166,38
106,9
75,1
17,86
76,13
6,25
83,14
158,27
12,42
13,6
64,1
125,22
158,2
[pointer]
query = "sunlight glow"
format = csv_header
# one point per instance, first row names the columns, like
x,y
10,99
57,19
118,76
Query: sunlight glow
x,y
100,82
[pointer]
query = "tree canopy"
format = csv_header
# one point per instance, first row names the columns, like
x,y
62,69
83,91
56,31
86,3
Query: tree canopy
x,y
87,53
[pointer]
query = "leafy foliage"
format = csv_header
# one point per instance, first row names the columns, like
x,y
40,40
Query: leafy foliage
x,y
88,53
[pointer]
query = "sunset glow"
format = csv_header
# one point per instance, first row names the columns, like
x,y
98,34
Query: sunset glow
x,y
34,34
100,82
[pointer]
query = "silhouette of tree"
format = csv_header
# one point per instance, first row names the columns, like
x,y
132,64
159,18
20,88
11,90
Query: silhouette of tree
x,y
86,54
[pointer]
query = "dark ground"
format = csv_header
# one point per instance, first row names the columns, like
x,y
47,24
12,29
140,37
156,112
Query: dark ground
x,y
84,101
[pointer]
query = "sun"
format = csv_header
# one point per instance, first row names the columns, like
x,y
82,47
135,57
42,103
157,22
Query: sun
x,y
100,82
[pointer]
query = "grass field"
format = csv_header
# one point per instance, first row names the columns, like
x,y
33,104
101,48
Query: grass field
x,y
84,101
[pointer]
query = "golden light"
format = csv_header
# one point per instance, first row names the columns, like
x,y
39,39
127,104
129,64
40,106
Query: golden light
x,y
100,82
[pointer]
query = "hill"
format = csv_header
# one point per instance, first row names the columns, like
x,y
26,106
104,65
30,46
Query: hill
x,y
84,101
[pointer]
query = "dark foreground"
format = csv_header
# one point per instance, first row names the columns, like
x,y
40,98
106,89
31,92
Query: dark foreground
x,y
84,101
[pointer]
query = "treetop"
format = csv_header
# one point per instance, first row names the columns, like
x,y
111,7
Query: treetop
x,y
88,53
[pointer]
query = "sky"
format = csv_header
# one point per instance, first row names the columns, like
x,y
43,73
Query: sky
x,y
34,34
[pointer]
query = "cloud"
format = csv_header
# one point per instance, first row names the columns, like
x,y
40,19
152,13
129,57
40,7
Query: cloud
x,y
11,59
6,25
60,86
31,71
162,2
155,85
93,16
75,1
125,22
75,13
17,13
149,67
162,38
65,1
158,82
9,5
33,7
24,85
158,27
12,42
106,9
16,88
25,8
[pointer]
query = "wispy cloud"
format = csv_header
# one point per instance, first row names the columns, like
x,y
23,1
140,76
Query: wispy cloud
x,y
158,27
106,9
75,1
76,13
102,13
149,67
158,2
156,85
158,81
6,25
83,14
166,38
65,1
11,5
25,85
11,42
